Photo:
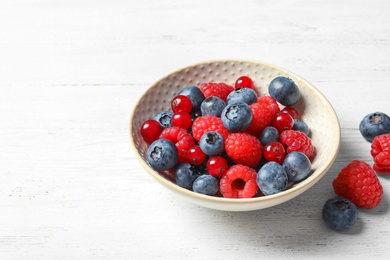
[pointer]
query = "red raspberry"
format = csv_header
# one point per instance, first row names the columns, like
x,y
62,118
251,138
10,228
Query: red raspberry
x,y
359,183
244,148
239,182
296,141
221,90
380,151
204,124
263,113
181,138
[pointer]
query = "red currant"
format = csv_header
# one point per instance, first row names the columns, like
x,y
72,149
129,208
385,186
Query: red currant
x,y
181,103
292,112
217,166
274,151
151,130
282,122
196,156
244,82
182,119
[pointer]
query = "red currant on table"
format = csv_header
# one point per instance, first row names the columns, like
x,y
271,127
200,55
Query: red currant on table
x,y
292,112
282,122
244,82
182,119
217,166
274,151
181,103
151,130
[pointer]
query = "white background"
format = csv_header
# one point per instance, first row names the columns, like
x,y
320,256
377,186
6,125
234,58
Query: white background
x,y
70,73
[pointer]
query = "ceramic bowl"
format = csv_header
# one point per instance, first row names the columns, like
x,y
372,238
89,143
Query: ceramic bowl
x,y
314,108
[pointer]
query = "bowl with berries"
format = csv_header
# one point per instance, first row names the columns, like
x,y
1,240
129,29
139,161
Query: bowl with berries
x,y
235,135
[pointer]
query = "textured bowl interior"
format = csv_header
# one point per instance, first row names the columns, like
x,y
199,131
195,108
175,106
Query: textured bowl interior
x,y
315,110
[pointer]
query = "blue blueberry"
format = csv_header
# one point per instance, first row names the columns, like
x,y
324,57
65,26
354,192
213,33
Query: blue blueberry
x,y
206,184
300,125
195,94
297,166
284,90
339,213
162,155
245,95
185,174
374,124
269,134
236,117
212,143
212,106
164,118
272,178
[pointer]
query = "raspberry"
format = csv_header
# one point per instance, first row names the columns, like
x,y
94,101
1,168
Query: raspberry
x,y
380,151
297,141
243,148
182,140
263,113
358,182
221,90
203,124
239,182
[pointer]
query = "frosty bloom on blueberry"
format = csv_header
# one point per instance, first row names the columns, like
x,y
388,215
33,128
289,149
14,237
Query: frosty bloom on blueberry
x,y
236,117
284,90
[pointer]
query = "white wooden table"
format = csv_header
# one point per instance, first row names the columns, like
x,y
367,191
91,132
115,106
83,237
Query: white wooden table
x,y
70,73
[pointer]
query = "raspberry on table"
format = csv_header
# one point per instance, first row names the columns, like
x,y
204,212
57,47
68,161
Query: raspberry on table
x,y
204,124
243,148
380,151
297,141
218,89
239,182
358,182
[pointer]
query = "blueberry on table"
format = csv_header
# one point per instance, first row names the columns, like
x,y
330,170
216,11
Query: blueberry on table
x,y
237,117
339,213
374,124
284,90
162,154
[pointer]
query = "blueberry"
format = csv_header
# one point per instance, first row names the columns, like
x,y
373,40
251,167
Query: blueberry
x,y
339,213
245,95
236,117
164,118
195,94
212,143
272,178
185,174
284,90
301,126
269,134
162,155
206,184
297,166
374,124
212,106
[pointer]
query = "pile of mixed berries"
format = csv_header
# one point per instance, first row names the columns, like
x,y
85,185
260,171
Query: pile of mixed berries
x,y
227,140
357,184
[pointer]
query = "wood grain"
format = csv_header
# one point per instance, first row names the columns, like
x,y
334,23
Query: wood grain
x,y
70,73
